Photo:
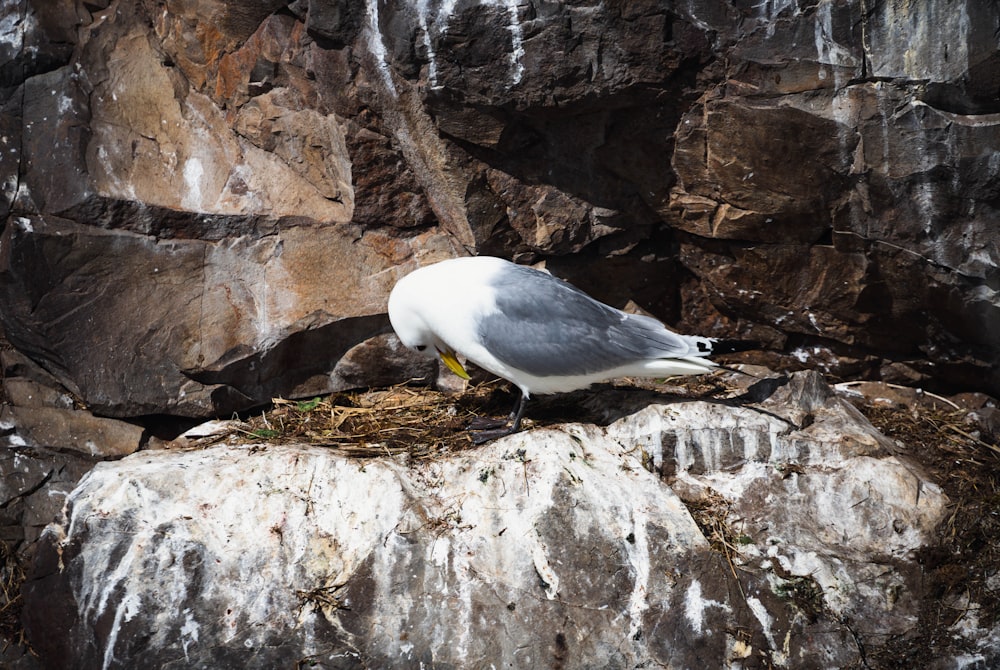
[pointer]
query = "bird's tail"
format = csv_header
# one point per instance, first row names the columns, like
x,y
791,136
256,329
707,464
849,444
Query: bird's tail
x,y
724,346
711,346
732,346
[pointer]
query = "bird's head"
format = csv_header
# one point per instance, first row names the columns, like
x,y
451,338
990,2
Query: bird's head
x,y
406,314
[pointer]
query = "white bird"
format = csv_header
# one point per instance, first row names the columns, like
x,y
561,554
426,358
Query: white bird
x,y
537,331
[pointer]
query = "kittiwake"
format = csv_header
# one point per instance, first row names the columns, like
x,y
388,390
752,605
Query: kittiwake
x,y
537,331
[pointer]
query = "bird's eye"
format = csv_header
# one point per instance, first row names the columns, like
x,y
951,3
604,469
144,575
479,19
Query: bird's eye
x,y
421,347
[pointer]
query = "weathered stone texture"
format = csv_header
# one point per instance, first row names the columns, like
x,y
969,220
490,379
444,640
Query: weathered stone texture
x,y
205,204
563,547
825,177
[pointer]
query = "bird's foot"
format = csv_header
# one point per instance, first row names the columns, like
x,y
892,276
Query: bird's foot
x,y
484,436
483,429
486,423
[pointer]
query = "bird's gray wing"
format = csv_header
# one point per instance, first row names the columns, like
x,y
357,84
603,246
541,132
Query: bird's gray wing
x,y
547,327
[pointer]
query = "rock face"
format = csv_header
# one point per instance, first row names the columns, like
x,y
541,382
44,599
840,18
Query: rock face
x,y
568,547
37,416
167,258
206,203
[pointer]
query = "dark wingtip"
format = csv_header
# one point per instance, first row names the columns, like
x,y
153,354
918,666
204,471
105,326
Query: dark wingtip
x,y
732,346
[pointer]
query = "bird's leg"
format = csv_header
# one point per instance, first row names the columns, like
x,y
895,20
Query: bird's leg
x,y
487,423
517,413
514,425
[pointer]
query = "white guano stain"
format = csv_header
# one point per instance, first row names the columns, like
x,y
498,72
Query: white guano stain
x,y
193,172
517,42
14,23
695,605
189,632
540,559
638,553
779,657
376,43
828,50
301,492
433,20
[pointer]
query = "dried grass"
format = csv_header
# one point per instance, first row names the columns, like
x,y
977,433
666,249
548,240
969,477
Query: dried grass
x,y
11,602
964,563
419,423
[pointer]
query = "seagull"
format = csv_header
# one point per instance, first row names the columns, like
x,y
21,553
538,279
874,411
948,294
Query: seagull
x,y
538,332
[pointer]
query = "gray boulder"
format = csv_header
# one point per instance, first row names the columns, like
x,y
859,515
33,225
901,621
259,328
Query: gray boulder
x,y
687,534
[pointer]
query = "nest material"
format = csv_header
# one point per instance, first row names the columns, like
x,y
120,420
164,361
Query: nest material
x,y
11,601
420,422
417,422
960,570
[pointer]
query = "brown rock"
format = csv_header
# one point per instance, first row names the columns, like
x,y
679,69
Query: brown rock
x,y
68,429
231,325
28,393
380,361
783,150
33,489
173,148
759,195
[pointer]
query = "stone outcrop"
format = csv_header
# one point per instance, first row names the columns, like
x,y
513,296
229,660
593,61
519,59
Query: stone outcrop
x,y
204,207
571,546
174,260
206,203
39,415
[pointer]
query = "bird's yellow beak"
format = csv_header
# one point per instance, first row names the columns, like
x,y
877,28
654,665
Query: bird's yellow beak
x,y
453,364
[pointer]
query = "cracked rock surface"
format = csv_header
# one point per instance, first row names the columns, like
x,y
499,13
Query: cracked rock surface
x,y
818,176
574,545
